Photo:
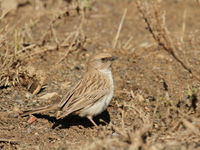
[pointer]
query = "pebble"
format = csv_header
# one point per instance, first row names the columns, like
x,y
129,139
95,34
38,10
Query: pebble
x,y
13,115
115,134
48,95
29,95
20,101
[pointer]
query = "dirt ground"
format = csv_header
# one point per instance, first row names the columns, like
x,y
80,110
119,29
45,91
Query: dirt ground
x,y
44,48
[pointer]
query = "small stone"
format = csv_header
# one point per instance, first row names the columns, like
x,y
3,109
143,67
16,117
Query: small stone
x,y
16,108
115,134
36,133
140,98
32,119
20,101
48,95
161,56
29,95
13,115
65,85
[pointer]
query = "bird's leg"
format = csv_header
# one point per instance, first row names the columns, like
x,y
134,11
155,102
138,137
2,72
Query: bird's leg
x,y
90,118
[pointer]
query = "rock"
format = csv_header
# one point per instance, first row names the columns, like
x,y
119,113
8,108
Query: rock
x,y
29,95
20,101
13,115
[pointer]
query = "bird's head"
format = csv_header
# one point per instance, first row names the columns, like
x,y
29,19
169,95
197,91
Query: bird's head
x,y
102,61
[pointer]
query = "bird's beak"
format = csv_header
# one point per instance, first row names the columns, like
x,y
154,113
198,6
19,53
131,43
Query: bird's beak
x,y
113,58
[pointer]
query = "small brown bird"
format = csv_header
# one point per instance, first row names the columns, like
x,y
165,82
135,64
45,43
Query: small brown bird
x,y
88,97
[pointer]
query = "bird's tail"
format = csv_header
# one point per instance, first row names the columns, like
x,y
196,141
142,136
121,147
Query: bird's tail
x,y
39,110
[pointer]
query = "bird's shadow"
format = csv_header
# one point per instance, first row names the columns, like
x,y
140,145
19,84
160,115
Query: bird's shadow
x,y
74,120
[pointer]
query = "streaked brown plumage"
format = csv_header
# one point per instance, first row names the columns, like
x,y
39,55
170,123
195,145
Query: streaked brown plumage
x,y
90,96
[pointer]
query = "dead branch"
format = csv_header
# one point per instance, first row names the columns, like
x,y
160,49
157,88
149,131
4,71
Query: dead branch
x,y
8,140
119,28
155,22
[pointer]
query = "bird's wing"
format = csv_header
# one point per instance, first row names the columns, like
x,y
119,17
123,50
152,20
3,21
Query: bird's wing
x,y
86,100
85,93
68,96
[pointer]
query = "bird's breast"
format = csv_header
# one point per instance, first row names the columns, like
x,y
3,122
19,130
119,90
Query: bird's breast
x,y
99,106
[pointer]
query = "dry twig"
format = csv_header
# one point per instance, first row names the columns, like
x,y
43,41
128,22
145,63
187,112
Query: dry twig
x,y
119,28
78,40
8,140
156,26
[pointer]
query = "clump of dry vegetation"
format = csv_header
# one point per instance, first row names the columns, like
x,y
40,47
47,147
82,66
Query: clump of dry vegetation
x,y
156,24
17,49
12,72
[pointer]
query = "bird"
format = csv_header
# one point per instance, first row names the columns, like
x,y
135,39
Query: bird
x,y
88,97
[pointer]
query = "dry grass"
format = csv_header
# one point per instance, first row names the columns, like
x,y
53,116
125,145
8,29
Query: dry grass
x,y
16,52
11,70
155,21
14,72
